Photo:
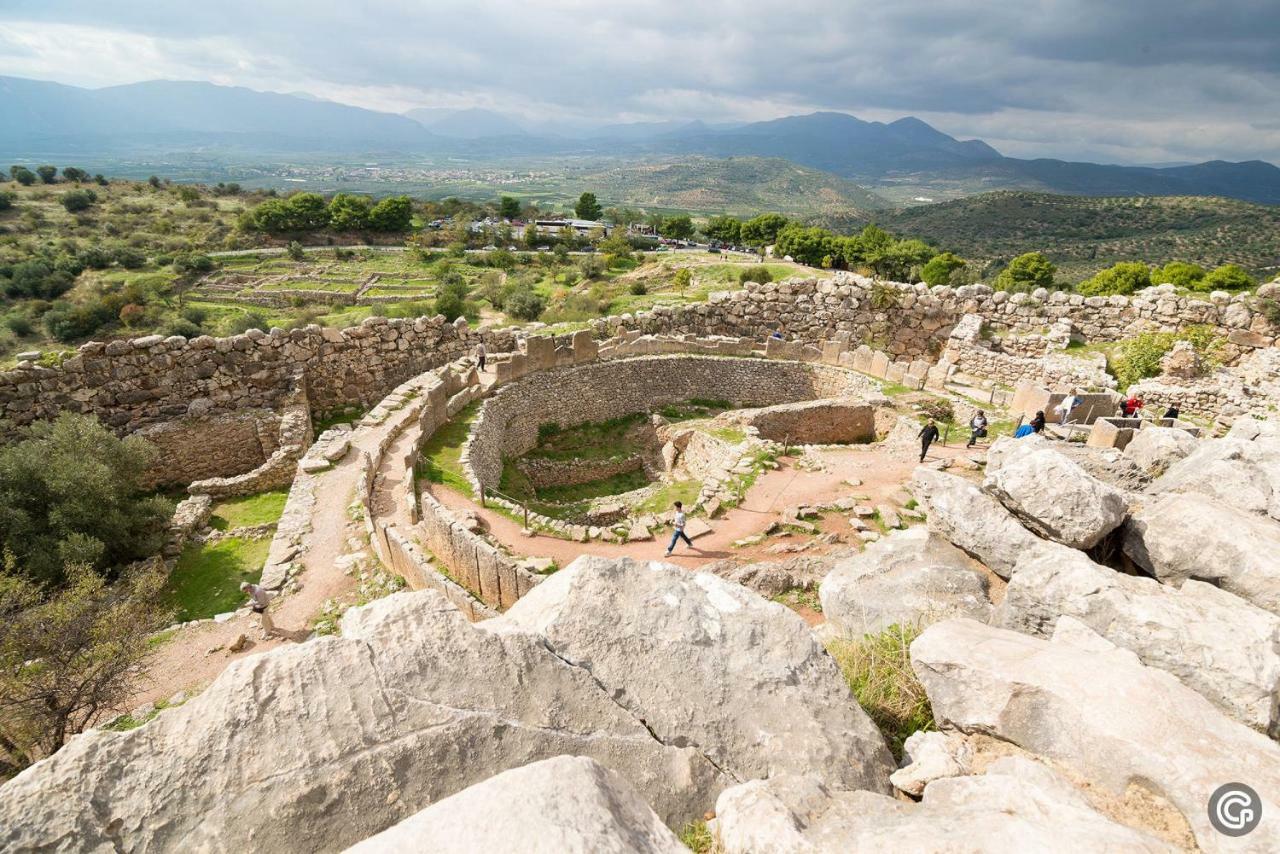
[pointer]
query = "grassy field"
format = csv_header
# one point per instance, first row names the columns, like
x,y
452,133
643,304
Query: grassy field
x,y
261,509
441,458
207,579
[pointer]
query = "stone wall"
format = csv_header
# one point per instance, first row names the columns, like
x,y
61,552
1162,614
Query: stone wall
x,y
1000,361
815,422
543,472
911,321
507,425
1251,387
276,471
133,385
197,448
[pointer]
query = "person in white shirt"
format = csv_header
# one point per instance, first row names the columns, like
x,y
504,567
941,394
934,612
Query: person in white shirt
x,y
480,354
978,428
259,599
1064,409
679,533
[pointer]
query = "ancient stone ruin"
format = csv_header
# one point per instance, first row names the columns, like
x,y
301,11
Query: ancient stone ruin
x,y
1090,614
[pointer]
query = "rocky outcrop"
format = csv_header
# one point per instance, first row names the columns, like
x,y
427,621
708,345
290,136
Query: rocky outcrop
x,y
1243,474
1190,536
1215,642
972,520
1115,721
1154,449
565,805
709,664
1056,498
772,578
1019,805
317,746
909,577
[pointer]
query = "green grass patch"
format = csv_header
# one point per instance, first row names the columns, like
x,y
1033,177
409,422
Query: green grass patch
x,y
800,597
441,458
878,670
684,491
261,509
697,838
207,578
732,435
347,415
614,485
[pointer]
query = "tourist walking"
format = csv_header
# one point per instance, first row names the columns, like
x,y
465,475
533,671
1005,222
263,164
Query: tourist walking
x,y
480,354
679,533
927,437
259,599
977,428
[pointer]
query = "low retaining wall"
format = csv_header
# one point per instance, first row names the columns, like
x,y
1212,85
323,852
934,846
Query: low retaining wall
x,y
815,422
278,470
507,425
543,472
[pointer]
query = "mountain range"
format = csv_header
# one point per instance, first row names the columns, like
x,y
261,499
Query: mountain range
x,y
39,118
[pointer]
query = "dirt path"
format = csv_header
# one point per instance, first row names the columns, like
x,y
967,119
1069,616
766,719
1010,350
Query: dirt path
x,y
196,656
882,475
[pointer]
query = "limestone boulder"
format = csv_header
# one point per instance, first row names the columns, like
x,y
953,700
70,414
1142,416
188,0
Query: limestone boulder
x,y
1154,449
928,756
1019,805
909,577
316,746
1191,536
709,664
972,520
1215,642
1115,721
1244,474
1057,498
557,806
774,577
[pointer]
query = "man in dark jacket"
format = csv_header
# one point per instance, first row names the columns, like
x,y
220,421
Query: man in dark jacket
x,y
927,437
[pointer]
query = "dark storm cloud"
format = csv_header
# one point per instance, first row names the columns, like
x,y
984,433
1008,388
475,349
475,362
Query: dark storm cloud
x,y
1124,79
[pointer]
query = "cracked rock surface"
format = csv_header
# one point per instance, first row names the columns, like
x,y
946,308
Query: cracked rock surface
x,y
706,663
317,746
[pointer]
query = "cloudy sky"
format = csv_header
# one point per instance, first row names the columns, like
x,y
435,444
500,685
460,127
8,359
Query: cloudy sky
x,y
1126,81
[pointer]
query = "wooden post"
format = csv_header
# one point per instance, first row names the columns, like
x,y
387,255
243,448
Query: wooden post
x,y
482,491
525,507
946,434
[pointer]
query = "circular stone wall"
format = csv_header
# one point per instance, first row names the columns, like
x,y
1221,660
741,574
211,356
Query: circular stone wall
x,y
507,425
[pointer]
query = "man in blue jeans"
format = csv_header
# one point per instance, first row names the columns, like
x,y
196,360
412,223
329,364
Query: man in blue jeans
x,y
679,533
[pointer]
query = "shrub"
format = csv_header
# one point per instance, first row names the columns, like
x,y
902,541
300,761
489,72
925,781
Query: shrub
x,y
524,304
1228,277
638,288
130,258
246,321
7,198
878,670
1124,278
451,305
1180,274
78,200
1138,358
70,492
182,326
1026,273
756,273
68,655
19,324
939,268
295,251
884,297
